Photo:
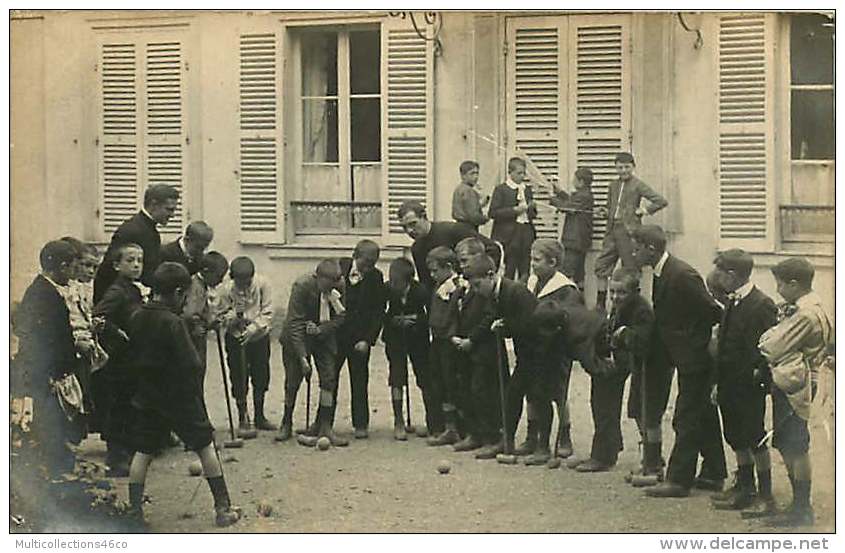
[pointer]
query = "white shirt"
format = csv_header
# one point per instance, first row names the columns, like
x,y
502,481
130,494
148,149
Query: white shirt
x,y
658,268
520,198
740,293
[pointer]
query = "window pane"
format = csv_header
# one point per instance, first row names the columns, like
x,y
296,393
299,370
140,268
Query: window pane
x,y
365,129
319,64
812,124
366,182
364,62
811,49
319,131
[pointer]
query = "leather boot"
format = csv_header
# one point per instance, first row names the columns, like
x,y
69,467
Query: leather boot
x,y
325,426
243,416
564,447
399,432
469,443
261,422
286,428
224,513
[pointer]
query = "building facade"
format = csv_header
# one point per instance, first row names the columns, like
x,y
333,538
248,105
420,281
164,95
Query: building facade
x,y
296,134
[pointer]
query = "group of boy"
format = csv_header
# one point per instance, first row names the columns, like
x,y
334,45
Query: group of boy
x,y
730,373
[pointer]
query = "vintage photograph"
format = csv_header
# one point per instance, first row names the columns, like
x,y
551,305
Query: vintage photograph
x,y
422,272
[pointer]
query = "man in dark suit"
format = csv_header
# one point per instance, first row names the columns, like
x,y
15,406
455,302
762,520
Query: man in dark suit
x,y
314,314
365,301
160,201
684,313
428,235
512,210
47,352
189,249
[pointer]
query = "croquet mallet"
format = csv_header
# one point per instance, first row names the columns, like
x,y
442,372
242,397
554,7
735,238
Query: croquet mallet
x,y
506,458
234,442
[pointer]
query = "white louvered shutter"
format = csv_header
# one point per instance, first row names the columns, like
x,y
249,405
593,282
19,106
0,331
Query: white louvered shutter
x,y
118,142
745,130
599,99
407,116
534,121
164,136
143,133
260,206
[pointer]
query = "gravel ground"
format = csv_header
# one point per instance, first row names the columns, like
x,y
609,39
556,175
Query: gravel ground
x,y
380,485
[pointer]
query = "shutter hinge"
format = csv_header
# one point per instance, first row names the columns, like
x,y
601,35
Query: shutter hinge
x,y
187,67
96,141
96,67
187,139
505,48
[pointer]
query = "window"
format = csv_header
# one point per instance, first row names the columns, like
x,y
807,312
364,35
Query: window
x,y
339,189
809,213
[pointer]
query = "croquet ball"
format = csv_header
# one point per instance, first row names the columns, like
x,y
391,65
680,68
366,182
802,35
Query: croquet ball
x,y
323,443
265,509
195,468
444,466
553,463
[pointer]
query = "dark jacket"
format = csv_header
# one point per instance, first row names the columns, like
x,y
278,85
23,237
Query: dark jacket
x,y
141,230
173,252
739,334
633,193
684,313
577,231
46,349
117,305
164,358
516,305
559,291
502,211
631,349
448,234
304,306
475,315
399,340
443,311
365,303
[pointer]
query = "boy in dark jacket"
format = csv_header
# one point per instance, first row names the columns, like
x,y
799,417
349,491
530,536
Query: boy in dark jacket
x,y
169,391
46,353
406,338
624,348
364,300
116,382
577,234
442,316
514,307
513,211
553,363
314,314
740,370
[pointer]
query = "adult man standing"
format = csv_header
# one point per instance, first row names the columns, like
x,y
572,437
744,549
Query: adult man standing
x,y
160,201
187,250
684,315
428,235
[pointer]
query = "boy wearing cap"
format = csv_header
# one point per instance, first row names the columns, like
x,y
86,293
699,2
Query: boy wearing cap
x,y
739,385
624,215
796,349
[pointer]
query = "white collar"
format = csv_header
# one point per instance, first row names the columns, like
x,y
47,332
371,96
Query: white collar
x,y
183,247
513,186
62,290
497,288
742,292
658,267
447,287
555,283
